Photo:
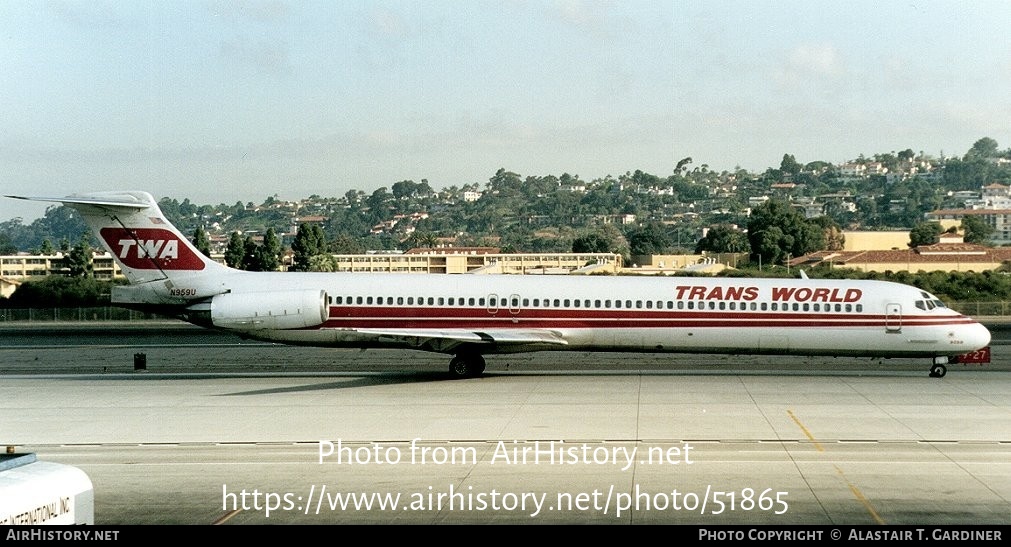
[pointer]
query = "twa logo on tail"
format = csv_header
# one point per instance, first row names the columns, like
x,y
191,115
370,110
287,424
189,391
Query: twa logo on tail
x,y
151,249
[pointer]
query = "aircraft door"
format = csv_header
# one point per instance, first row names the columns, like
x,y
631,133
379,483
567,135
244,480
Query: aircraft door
x,y
493,304
893,318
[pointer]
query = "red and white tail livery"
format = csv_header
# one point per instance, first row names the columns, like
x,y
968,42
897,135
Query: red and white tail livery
x,y
469,316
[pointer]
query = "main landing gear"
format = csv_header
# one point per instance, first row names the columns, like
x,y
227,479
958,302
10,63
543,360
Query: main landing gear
x,y
938,370
466,365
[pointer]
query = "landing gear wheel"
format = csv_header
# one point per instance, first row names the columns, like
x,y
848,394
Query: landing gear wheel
x,y
466,366
938,371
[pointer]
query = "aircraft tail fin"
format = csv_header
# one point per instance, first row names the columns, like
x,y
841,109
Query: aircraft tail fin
x,y
131,226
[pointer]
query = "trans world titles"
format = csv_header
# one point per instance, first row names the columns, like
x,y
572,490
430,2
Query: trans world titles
x,y
778,294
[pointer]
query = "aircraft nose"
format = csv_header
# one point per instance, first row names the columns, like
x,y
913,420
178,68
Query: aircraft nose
x,y
978,336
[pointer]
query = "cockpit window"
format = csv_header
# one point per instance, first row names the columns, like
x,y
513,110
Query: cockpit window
x,y
927,305
930,301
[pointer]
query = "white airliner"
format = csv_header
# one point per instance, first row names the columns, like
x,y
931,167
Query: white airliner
x,y
469,316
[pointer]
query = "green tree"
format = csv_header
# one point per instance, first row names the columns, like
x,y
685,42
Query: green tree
x,y
777,231
58,223
251,256
270,251
925,233
309,241
346,245
422,239
604,239
79,261
322,263
7,246
789,165
983,148
723,239
650,239
201,242
976,230
682,166
235,251
404,189
593,242
835,240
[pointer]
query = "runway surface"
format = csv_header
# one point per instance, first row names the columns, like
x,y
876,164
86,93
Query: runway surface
x,y
215,430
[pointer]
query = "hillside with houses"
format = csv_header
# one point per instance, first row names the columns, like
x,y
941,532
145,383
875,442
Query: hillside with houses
x,y
631,214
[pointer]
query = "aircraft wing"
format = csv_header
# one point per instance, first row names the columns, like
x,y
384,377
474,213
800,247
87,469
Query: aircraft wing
x,y
446,339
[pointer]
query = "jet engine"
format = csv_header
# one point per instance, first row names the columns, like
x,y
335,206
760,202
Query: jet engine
x,y
270,310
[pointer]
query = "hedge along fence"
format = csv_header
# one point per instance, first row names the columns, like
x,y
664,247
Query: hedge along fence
x,y
102,313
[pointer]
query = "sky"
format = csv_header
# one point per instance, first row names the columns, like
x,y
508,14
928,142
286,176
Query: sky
x,y
227,101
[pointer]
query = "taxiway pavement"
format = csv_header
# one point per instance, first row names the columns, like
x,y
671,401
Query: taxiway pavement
x,y
219,431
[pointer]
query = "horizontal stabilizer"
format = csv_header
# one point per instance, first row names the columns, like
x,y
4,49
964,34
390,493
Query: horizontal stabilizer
x,y
111,199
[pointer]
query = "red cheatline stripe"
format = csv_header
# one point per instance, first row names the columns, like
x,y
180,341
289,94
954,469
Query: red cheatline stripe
x,y
470,318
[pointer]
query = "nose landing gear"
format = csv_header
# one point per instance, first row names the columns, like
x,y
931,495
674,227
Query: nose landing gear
x,y
938,369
